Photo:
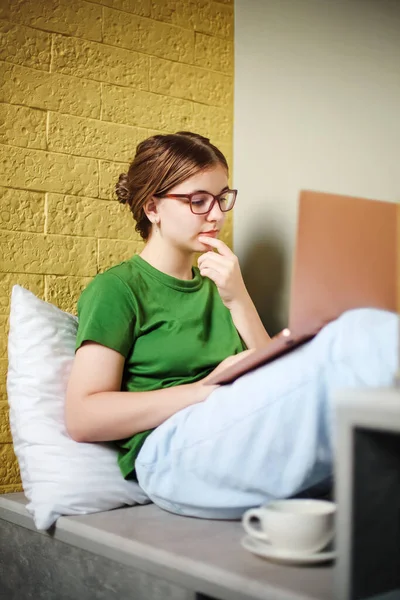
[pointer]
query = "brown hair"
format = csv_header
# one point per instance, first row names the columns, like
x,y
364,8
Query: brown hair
x,y
161,162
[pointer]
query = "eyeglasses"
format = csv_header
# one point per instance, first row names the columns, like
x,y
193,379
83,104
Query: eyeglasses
x,y
201,203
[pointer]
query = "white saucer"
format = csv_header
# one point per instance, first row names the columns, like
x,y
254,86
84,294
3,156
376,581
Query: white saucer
x,y
266,550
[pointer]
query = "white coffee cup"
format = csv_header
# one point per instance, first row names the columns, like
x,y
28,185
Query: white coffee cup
x,y
296,525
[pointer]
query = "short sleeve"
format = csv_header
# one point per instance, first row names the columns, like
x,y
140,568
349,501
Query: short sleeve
x,y
106,314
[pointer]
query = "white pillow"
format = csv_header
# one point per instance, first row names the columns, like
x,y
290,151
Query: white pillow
x,y
59,476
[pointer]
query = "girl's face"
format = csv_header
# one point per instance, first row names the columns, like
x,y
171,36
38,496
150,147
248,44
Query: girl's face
x,y
177,223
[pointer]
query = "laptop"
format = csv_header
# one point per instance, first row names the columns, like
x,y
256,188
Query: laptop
x,y
346,256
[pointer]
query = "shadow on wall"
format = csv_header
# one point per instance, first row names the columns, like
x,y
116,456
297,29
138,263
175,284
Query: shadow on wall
x,y
264,272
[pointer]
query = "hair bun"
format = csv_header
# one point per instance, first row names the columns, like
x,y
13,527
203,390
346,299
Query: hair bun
x,y
121,189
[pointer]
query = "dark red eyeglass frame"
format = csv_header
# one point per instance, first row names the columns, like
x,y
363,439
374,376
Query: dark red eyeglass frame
x,y
215,199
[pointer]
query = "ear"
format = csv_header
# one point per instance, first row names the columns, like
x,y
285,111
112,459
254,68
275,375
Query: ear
x,y
151,210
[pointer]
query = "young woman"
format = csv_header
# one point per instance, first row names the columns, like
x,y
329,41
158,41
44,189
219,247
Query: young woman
x,y
153,328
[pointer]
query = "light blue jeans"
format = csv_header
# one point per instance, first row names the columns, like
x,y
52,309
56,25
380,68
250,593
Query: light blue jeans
x,y
269,434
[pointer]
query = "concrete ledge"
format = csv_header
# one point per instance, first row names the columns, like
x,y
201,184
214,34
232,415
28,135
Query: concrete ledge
x,y
197,556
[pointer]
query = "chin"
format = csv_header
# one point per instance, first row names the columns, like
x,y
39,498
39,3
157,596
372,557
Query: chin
x,y
196,249
190,246
194,245
199,247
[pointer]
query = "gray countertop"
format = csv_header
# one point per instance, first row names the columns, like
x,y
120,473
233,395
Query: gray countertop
x,y
199,554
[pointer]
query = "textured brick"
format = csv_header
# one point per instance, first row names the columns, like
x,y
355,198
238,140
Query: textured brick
x,y
138,7
21,210
84,137
44,171
192,83
52,91
25,46
5,434
48,254
9,471
213,122
111,252
21,126
216,19
214,53
185,14
201,15
3,369
122,105
10,489
72,17
3,376
72,56
145,35
34,283
64,292
90,217
3,381
109,173
4,326
5,9
152,132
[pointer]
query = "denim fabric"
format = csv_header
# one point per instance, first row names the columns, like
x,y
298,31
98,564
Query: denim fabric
x,y
269,434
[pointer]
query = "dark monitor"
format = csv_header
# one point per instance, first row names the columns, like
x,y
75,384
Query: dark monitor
x,y
375,551
367,490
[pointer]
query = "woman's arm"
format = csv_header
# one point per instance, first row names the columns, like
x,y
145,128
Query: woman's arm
x,y
95,408
248,323
223,268
97,411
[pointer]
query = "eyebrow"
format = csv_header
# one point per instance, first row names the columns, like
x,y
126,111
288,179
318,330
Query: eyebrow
x,y
207,192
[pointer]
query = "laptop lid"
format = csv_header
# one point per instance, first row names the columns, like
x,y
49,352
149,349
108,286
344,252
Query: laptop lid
x,y
345,257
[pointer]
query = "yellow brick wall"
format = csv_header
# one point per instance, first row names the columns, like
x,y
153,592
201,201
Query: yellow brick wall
x,y
81,83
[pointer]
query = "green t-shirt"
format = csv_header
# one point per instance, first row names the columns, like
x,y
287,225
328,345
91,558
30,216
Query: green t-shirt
x,y
170,331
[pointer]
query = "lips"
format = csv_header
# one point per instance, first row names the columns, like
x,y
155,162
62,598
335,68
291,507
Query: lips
x,y
212,233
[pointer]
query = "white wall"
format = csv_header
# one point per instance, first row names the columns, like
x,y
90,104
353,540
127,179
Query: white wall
x,y
317,106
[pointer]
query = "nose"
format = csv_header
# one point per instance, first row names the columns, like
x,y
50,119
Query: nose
x,y
216,213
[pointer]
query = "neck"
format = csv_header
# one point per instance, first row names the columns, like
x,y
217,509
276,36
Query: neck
x,y
168,259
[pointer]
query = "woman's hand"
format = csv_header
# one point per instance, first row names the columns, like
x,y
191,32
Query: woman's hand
x,y
222,267
227,362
